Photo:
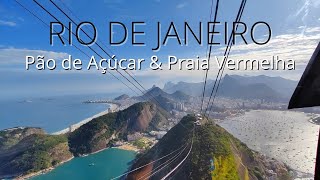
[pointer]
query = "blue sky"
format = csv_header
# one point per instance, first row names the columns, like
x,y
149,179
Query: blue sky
x,y
295,26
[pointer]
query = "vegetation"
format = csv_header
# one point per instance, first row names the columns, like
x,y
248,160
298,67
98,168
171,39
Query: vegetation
x,y
2,134
6,143
211,141
9,138
38,155
177,137
33,151
29,150
225,168
96,134
232,159
85,138
140,143
158,120
46,142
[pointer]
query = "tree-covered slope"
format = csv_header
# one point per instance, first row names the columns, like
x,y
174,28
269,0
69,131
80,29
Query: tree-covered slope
x,y
27,150
34,153
11,137
96,134
215,154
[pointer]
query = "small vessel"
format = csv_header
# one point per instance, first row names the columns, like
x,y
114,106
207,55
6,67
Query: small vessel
x,y
91,164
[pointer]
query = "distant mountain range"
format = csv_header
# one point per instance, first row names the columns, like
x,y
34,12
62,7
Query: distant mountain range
x,y
192,89
156,91
247,87
122,97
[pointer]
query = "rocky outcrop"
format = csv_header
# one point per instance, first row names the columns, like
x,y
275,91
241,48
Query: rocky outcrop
x,y
141,120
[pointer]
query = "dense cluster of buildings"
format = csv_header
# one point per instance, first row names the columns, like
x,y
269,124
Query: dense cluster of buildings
x,y
222,108
179,106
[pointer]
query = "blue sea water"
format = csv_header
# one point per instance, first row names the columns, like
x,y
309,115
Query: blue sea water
x,y
57,113
104,165
51,113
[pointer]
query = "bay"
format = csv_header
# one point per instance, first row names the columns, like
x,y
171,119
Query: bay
x,y
285,135
103,165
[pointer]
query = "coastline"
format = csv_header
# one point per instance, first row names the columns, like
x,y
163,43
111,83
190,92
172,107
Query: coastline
x,y
128,147
285,146
44,171
113,107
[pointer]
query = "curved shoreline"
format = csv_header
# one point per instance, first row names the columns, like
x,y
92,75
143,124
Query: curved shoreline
x,y
113,107
45,171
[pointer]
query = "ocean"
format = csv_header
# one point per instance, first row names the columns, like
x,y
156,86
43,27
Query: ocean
x,y
285,135
103,165
50,113
56,113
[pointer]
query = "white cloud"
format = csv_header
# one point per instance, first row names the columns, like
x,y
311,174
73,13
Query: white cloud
x,y
181,5
7,23
287,46
14,56
313,30
304,12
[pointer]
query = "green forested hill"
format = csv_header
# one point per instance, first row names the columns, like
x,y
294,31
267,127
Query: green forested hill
x,y
27,150
34,153
96,134
215,154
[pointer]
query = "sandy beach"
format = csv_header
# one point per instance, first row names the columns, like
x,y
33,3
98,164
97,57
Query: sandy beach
x,y
128,147
113,107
